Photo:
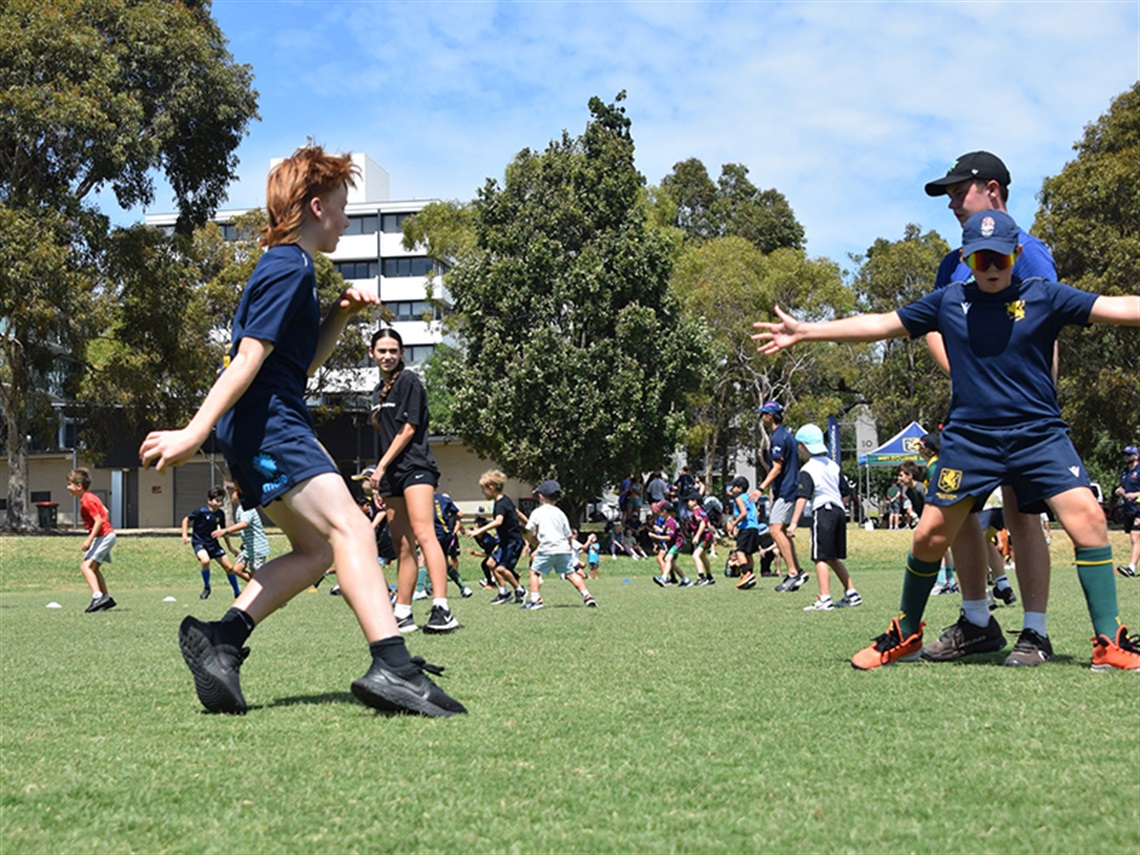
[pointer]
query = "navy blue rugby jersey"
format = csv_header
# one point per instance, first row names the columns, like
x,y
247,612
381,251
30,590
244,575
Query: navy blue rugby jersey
x,y
279,306
1000,345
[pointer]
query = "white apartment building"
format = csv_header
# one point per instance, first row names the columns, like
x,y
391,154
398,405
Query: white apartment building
x,y
371,254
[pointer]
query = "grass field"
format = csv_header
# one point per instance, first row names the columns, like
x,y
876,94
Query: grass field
x,y
694,720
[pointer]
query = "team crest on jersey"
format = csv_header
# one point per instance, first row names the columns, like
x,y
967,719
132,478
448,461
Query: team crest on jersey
x,y
1015,309
965,308
949,480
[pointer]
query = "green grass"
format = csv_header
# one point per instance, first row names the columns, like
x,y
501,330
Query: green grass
x,y
698,720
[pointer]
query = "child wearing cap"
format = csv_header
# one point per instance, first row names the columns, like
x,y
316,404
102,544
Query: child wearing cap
x,y
822,484
783,478
550,535
1004,424
746,525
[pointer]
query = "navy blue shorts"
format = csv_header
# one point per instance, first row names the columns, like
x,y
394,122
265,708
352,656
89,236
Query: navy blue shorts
x,y
394,485
1038,460
213,548
270,473
507,554
993,518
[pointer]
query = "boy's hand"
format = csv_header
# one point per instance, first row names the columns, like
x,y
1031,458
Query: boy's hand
x,y
777,335
163,448
185,540
353,300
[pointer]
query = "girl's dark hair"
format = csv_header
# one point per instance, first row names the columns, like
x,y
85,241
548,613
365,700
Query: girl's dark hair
x,y
387,332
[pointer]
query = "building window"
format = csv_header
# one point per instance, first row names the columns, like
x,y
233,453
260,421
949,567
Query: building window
x,y
356,269
404,267
413,310
393,223
365,225
417,354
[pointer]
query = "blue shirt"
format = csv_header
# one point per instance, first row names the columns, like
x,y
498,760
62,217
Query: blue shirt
x,y
1035,260
784,451
1130,481
751,520
279,306
1000,346
445,512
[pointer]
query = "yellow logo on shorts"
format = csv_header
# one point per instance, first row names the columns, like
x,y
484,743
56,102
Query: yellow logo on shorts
x,y
1016,309
950,480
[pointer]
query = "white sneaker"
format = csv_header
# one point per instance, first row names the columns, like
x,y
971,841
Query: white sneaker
x,y
821,604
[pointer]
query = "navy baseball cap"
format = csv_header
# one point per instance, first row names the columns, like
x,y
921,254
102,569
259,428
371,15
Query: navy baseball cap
x,y
976,165
550,489
771,407
1130,449
993,230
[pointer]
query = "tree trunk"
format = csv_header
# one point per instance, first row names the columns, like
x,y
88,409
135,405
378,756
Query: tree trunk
x,y
16,410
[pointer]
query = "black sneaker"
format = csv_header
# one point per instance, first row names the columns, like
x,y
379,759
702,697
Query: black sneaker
x,y
590,602
96,603
784,585
215,666
1125,570
1006,595
441,620
406,624
104,603
508,597
520,596
205,595
964,639
1031,650
408,690
798,581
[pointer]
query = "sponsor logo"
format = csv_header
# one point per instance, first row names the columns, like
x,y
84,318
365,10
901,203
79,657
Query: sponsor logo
x,y
1016,310
965,308
1076,470
947,497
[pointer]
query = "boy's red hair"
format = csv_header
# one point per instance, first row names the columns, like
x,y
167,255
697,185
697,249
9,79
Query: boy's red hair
x,y
308,173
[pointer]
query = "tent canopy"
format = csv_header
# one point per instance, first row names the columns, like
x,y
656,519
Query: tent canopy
x,y
902,446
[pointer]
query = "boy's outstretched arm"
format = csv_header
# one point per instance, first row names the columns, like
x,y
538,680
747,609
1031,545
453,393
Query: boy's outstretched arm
x,y
789,331
351,301
1116,310
174,447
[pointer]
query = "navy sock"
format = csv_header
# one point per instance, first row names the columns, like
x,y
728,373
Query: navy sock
x,y
205,578
234,583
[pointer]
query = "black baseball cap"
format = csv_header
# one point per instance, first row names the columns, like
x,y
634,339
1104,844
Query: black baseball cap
x,y
975,165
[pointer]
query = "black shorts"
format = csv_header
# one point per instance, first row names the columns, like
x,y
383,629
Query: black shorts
x,y
828,534
506,555
747,540
1131,523
395,484
449,544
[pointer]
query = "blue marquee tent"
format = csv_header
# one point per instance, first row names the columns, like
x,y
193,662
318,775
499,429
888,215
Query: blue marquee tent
x,y
902,446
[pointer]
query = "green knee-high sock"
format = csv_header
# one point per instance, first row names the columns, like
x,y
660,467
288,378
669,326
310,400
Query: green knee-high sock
x,y
454,576
917,584
1094,569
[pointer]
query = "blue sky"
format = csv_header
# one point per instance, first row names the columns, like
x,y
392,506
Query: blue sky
x,y
847,108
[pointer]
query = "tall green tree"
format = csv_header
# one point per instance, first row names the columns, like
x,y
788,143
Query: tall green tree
x,y
898,378
575,359
1089,215
727,283
732,207
96,94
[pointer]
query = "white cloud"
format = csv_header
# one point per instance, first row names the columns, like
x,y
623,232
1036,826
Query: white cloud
x,y
845,107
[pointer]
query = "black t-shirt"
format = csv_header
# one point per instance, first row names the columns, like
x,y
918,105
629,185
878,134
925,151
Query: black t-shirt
x,y
917,499
406,404
509,529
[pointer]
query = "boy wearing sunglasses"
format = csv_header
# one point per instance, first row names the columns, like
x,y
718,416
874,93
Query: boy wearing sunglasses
x,y
1004,424
979,181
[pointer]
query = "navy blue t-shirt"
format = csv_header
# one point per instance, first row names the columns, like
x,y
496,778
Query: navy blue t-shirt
x,y
279,306
204,521
509,529
784,451
1000,346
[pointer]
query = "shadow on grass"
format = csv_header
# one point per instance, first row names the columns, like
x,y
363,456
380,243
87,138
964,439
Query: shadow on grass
x,y
314,700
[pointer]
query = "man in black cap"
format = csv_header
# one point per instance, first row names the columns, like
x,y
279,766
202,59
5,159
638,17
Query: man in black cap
x,y
979,181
